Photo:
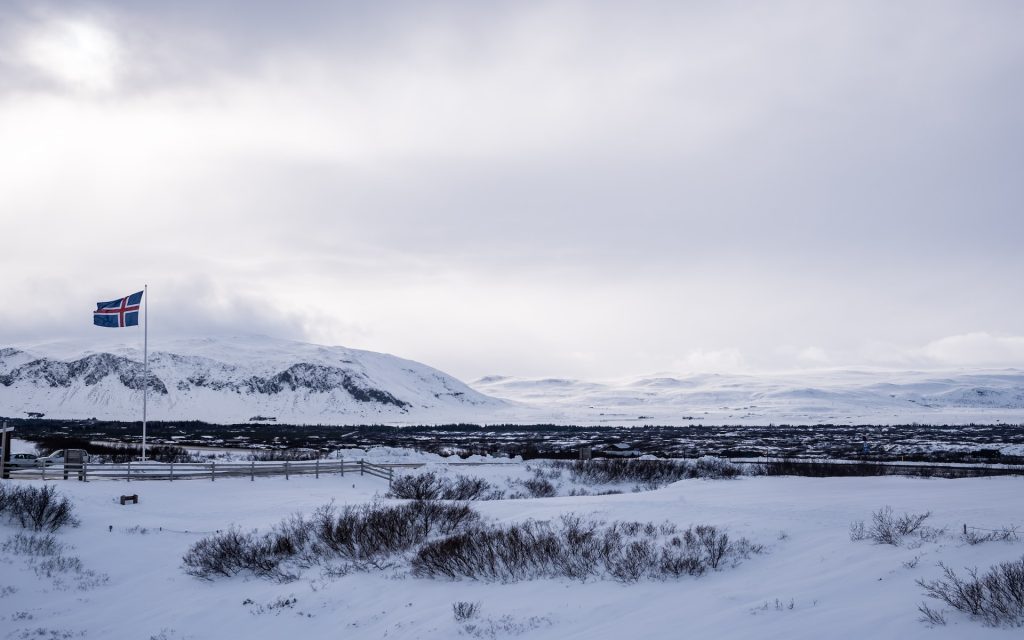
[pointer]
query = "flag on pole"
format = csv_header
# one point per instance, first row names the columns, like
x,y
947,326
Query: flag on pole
x,y
123,312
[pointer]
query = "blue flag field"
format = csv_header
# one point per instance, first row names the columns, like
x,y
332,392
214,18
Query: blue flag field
x,y
123,312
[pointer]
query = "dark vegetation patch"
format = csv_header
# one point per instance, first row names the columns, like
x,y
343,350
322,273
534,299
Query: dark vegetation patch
x,y
972,443
579,549
36,508
887,527
357,537
995,597
648,472
449,540
433,486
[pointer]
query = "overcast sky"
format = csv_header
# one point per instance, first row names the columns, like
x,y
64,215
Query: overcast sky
x,y
583,189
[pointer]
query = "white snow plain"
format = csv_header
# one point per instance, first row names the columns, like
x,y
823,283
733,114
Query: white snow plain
x,y
812,581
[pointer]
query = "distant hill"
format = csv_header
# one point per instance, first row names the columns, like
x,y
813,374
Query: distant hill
x,y
231,380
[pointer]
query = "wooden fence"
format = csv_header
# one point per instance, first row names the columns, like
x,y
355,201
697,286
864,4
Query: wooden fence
x,y
140,471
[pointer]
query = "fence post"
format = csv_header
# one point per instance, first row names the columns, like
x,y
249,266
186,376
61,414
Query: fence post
x,y
391,475
172,472
252,471
341,464
285,469
83,472
360,467
213,471
317,468
129,470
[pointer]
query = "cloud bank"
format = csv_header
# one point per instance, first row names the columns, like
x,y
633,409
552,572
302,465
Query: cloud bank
x,y
568,188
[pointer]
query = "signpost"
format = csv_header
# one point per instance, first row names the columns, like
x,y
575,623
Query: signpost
x,y
5,451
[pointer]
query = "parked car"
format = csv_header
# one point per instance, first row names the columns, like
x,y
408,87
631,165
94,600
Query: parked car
x,y
22,460
58,456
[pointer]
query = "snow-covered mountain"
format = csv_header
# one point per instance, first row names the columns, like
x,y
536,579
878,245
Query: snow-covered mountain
x,y
805,397
236,379
232,380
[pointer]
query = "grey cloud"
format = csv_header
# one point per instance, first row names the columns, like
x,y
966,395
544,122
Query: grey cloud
x,y
595,186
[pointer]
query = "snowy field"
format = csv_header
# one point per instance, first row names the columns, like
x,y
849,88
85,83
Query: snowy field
x,y
811,581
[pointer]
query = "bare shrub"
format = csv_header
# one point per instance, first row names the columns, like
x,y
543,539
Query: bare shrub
x,y
650,473
1003,534
996,598
432,486
888,528
821,468
363,536
540,488
32,545
40,508
416,486
465,610
577,549
858,531
931,616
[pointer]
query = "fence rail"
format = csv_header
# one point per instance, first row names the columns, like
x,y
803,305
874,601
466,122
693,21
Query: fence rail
x,y
142,471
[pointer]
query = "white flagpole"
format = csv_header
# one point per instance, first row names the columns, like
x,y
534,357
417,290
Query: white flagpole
x,y
145,363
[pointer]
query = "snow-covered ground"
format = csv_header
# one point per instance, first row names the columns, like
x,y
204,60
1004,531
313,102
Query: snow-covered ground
x,y
812,581
828,396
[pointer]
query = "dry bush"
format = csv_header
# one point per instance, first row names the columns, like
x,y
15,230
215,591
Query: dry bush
x,y
362,536
996,598
888,528
1003,534
652,473
32,545
39,508
578,549
432,486
465,610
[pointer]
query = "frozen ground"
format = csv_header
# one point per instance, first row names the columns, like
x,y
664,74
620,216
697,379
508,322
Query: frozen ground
x,y
812,582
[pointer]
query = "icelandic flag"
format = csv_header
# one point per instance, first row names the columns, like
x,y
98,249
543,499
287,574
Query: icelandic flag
x,y
123,312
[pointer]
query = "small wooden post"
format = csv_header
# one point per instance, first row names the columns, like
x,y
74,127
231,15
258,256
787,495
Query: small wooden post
x,y
285,469
83,472
213,471
316,469
965,528
252,471
360,467
5,452
172,472
391,475
129,470
341,464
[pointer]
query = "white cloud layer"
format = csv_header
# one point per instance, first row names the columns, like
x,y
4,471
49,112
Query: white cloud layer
x,y
588,189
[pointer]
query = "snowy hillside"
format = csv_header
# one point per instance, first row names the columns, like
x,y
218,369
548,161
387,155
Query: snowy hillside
x,y
235,379
231,380
808,397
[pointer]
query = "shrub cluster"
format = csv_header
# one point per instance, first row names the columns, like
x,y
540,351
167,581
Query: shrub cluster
x,y
359,536
579,549
649,472
996,598
1003,534
463,610
888,528
822,468
432,486
37,508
